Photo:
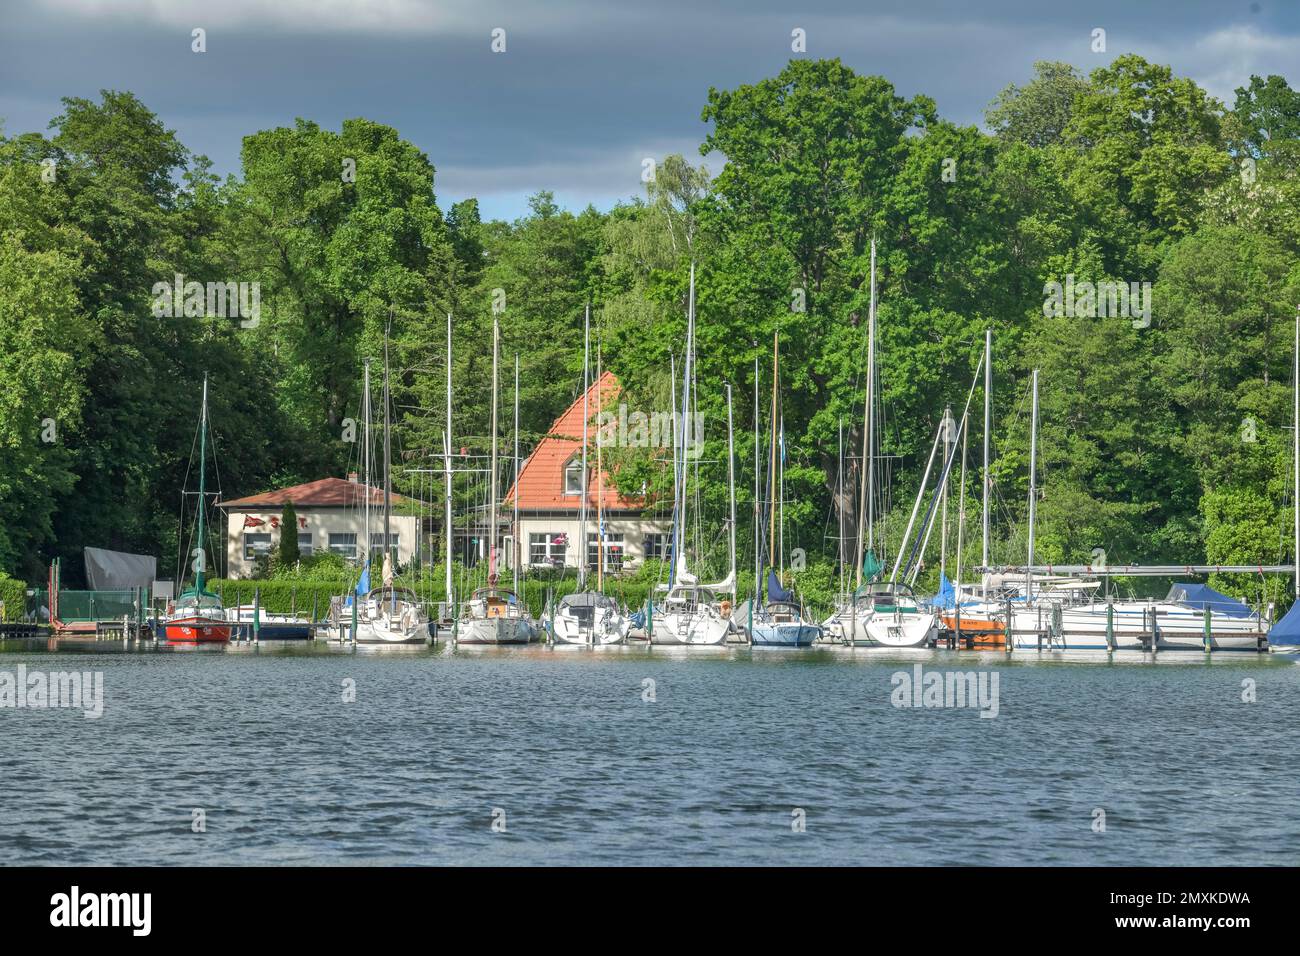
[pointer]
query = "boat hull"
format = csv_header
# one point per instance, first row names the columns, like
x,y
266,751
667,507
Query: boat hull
x,y
695,630
846,627
384,632
567,630
903,630
495,630
196,630
764,634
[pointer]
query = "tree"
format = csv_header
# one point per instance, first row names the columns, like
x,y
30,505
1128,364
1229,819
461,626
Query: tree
x,y
1037,113
288,536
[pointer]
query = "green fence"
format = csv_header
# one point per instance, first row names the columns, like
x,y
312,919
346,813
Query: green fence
x,y
77,606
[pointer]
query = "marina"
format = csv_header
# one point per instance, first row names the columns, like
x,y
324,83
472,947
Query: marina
x,y
597,772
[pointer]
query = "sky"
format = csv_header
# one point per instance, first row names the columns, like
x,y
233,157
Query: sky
x,y
584,91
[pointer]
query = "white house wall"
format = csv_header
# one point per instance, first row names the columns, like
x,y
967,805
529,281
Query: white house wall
x,y
319,523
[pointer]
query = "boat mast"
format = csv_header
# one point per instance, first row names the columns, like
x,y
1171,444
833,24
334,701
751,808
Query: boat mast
x,y
677,515
758,497
600,490
866,525
949,439
388,457
1033,486
771,485
366,458
961,503
514,531
1295,452
203,452
680,466
446,446
988,424
492,482
582,510
731,487
839,501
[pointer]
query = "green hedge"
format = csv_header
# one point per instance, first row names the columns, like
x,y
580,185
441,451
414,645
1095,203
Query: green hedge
x,y
14,594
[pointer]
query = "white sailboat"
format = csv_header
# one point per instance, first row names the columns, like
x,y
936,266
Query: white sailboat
x,y
691,613
494,615
387,614
589,616
780,621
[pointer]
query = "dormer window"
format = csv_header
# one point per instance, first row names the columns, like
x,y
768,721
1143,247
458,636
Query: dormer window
x,y
573,476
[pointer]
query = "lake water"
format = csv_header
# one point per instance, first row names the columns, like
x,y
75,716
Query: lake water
x,y
738,751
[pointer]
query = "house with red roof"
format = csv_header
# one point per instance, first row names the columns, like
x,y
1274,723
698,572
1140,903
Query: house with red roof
x,y
331,516
549,532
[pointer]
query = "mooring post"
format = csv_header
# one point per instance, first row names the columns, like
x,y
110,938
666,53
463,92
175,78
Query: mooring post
x,y
257,613
1110,625
1209,616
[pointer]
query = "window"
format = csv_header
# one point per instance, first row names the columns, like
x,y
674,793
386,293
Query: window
x,y
304,544
377,543
255,544
657,546
573,476
547,548
613,551
344,543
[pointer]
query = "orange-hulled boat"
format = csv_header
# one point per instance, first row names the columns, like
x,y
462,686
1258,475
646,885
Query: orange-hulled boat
x,y
197,617
983,632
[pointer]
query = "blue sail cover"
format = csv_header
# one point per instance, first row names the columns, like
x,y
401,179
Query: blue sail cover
x,y
1202,596
776,593
947,596
1286,632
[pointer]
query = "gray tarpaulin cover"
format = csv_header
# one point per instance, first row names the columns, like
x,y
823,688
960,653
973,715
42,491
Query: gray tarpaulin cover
x,y
116,570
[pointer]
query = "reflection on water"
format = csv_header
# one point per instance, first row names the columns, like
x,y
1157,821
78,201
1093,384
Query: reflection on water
x,y
640,755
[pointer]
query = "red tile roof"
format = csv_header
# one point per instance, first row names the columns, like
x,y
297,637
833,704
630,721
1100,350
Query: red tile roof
x,y
325,493
541,480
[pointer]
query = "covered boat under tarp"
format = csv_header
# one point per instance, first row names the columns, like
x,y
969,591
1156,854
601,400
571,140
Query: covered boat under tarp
x,y
1285,634
1203,597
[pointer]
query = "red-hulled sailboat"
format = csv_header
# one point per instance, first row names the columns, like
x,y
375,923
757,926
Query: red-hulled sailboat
x,y
197,616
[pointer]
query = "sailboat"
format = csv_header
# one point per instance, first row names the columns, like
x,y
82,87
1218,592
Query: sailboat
x,y
589,616
853,611
1284,636
387,614
493,614
197,616
780,621
691,613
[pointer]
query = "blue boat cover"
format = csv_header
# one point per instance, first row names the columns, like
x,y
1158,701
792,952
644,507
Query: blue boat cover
x,y
947,596
1201,596
1286,632
776,593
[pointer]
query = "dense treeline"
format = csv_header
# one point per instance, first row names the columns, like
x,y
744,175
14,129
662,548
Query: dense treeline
x,y
1162,439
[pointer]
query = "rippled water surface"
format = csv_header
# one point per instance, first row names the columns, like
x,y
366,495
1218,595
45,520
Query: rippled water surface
x,y
562,745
